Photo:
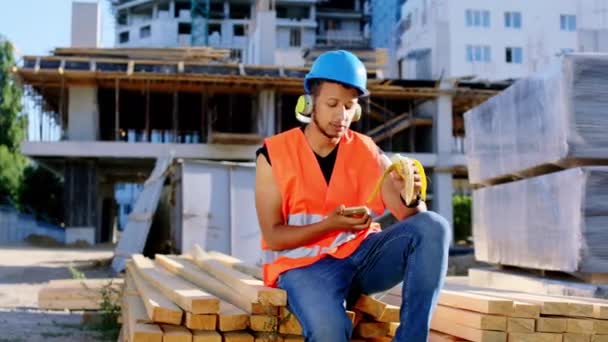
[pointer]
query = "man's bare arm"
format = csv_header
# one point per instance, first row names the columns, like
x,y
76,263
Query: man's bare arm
x,y
277,234
391,195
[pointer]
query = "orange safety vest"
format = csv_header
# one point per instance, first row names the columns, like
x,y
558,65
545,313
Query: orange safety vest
x,y
307,198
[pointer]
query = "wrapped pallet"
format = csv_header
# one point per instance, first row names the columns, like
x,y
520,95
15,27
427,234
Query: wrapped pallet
x,y
559,117
557,221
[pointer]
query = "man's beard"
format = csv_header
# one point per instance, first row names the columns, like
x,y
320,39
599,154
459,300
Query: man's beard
x,y
323,130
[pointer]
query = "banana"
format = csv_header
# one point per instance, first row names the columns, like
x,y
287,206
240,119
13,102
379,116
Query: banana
x,y
403,167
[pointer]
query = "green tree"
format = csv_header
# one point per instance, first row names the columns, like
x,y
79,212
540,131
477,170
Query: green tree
x,y
462,217
41,194
12,127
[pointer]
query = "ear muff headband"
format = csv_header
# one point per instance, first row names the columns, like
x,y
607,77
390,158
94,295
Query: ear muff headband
x,y
305,105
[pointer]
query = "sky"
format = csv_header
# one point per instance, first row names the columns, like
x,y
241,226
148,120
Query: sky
x,y
36,27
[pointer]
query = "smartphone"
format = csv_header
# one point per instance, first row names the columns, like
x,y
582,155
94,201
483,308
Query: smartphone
x,y
355,211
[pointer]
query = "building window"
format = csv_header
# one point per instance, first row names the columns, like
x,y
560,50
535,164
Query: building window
x,y
295,37
123,37
514,55
567,22
477,18
184,28
513,19
238,30
145,31
479,53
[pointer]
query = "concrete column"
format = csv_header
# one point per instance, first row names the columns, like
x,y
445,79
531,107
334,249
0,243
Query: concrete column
x,y
80,199
83,116
267,37
266,113
443,188
313,12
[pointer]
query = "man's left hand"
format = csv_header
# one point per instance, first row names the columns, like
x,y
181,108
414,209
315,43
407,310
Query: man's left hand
x,y
399,182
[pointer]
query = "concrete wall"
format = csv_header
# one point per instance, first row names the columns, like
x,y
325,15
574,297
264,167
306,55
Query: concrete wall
x,y
15,226
83,116
86,24
446,33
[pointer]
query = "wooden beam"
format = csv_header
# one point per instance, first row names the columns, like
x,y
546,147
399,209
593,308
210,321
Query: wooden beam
x,y
237,264
520,325
551,324
571,337
472,319
535,337
201,321
247,286
183,293
231,318
372,329
206,336
476,302
139,332
467,333
237,336
188,270
159,308
377,309
176,333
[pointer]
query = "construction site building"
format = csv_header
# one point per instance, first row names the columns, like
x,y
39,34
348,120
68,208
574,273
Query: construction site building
x,y
495,40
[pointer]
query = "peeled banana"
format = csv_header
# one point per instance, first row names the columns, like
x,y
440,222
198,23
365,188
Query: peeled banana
x,y
404,168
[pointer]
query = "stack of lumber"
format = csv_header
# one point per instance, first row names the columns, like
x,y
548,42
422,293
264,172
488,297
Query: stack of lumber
x,y
78,294
540,151
466,313
193,54
209,296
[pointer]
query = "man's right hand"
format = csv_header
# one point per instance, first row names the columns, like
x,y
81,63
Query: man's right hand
x,y
336,220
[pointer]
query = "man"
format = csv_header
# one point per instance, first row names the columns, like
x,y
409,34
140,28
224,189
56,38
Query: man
x,y
322,258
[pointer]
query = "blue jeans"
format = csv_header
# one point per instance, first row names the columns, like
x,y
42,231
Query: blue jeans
x,y
413,251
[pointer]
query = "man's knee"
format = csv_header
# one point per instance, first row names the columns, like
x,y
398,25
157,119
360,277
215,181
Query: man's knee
x,y
430,226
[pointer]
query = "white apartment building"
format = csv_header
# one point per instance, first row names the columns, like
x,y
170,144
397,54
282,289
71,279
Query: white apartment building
x,y
245,26
495,39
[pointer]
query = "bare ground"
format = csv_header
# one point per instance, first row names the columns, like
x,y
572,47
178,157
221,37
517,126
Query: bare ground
x,y
24,269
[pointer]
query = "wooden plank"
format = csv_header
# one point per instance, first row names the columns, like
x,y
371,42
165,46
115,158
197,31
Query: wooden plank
x,y
471,319
201,321
535,337
293,338
581,326
599,338
379,310
548,305
159,308
136,308
192,273
551,324
206,336
467,333
140,332
183,293
263,323
520,325
525,310
571,337
289,324
75,304
261,309
130,289
371,329
268,337
476,302
435,336
175,333
237,336
600,327
392,329
231,318
246,285
380,339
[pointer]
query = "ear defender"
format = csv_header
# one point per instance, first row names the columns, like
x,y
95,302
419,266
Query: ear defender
x,y
304,108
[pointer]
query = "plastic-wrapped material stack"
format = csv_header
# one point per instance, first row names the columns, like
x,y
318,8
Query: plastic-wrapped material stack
x,y
558,117
557,221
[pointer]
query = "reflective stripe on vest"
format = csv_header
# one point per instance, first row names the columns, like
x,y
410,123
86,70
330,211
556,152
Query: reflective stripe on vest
x,y
269,256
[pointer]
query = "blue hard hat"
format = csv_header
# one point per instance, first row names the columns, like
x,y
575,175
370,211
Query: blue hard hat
x,y
339,66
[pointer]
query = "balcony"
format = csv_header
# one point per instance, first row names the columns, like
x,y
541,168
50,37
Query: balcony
x,y
343,39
